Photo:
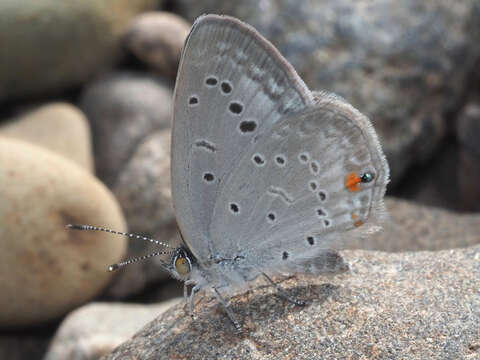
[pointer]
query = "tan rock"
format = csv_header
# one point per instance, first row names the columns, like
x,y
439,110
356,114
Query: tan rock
x,y
60,127
157,39
47,270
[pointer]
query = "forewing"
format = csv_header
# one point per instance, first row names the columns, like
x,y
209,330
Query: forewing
x,y
232,86
291,196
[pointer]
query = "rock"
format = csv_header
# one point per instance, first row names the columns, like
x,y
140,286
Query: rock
x,y
123,108
59,127
21,345
143,191
143,187
468,133
96,329
393,60
47,269
450,179
435,183
414,227
157,39
415,305
468,127
52,45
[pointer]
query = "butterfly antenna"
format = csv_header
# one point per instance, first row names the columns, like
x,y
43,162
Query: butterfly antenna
x,y
140,258
97,228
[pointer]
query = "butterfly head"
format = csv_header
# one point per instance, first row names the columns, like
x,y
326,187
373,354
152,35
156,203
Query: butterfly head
x,y
182,264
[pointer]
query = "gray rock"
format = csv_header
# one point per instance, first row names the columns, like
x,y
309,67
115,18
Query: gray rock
x,y
143,186
157,39
415,305
450,180
96,329
143,190
46,46
24,345
123,108
434,184
468,127
402,63
414,227
468,133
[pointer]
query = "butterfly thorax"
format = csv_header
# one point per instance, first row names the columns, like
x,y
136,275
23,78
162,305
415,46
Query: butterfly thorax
x,y
223,272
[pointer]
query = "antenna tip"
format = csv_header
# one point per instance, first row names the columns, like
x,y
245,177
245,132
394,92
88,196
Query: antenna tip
x,y
113,267
76,227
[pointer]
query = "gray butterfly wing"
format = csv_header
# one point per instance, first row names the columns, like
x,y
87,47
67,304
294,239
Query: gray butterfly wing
x,y
296,192
232,85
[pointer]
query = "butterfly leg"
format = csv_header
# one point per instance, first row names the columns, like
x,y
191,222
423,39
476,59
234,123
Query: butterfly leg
x,y
192,299
229,311
185,293
283,294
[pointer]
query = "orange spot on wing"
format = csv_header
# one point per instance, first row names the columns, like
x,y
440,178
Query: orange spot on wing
x,y
352,182
358,223
354,216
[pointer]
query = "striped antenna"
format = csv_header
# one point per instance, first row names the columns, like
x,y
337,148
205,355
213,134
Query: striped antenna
x,y
97,228
134,260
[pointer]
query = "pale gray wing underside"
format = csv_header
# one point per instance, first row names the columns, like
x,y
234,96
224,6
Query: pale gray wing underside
x,y
287,199
231,87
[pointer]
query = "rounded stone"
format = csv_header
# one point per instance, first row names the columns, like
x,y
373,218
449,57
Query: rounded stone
x,y
60,127
123,108
143,191
157,39
47,269
82,333
53,44
143,188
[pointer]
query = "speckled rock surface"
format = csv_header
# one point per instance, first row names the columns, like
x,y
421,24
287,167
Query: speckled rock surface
x,y
402,63
47,270
97,328
157,39
60,127
68,40
123,108
422,305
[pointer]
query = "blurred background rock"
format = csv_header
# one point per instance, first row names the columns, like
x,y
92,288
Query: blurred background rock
x,y
86,98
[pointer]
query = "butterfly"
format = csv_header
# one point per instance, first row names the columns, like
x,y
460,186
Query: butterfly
x,y
267,176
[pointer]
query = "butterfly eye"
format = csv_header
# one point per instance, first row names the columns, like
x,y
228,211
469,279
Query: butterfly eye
x,y
182,265
367,177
